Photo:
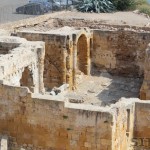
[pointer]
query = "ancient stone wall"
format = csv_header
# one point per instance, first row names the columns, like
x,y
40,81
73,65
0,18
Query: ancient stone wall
x,y
145,89
121,52
33,121
63,56
141,134
55,54
123,124
27,54
81,56
48,122
131,125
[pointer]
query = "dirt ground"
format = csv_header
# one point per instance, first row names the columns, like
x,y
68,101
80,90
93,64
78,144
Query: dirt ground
x,y
104,89
117,18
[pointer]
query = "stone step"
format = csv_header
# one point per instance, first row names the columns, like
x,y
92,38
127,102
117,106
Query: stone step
x,y
4,143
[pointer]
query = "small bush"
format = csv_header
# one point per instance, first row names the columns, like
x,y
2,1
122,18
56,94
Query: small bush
x,y
124,4
111,5
145,8
140,2
95,6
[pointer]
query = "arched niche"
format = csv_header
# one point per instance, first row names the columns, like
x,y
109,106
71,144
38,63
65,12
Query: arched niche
x,y
27,79
82,54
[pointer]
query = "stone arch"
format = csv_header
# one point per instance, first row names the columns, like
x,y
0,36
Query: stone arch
x,y
27,79
83,54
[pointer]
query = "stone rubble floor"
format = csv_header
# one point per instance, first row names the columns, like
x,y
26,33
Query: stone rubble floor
x,y
104,89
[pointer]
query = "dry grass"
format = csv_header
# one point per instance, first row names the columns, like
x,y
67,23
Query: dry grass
x,y
143,6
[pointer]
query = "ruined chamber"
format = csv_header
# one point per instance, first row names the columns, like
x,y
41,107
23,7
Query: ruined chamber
x,y
21,63
66,92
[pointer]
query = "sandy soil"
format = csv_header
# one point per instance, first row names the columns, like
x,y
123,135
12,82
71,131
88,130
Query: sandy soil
x,y
117,18
8,7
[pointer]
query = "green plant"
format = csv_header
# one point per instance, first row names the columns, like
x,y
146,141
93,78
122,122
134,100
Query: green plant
x,y
145,8
124,4
95,6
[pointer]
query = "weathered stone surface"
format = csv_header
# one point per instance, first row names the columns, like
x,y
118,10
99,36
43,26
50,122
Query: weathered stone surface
x,y
18,55
51,124
120,52
64,54
145,89
37,120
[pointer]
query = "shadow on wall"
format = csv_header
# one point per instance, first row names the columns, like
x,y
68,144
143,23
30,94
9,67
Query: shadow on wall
x,y
82,54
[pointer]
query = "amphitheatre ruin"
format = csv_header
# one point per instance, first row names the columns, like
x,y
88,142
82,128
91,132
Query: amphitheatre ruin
x,y
74,84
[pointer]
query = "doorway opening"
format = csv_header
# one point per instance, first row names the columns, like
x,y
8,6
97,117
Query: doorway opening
x,y
27,79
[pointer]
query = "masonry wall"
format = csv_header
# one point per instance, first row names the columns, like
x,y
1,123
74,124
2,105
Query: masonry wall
x,y
131,129
29,55
145,89
123,124
120,126
121,52
141,136
64,55
55,57
45,123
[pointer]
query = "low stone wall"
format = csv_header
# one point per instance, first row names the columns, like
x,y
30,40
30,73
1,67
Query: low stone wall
x,y
46,122
51,123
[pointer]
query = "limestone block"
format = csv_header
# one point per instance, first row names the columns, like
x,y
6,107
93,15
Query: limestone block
x,y
4,143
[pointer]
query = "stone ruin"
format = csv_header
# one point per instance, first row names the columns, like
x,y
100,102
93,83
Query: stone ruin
x,y
74,88
21,63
